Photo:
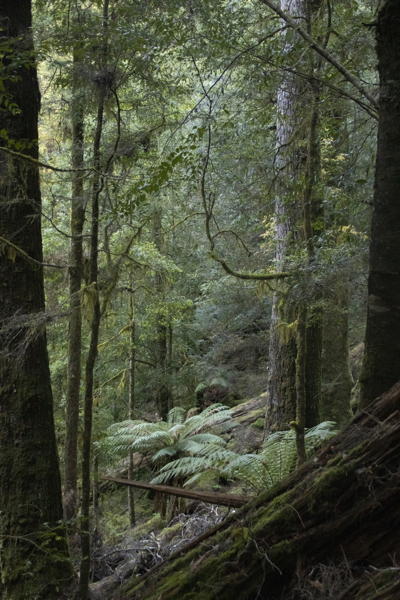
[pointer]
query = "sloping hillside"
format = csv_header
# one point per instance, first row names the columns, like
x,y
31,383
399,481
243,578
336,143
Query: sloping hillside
x,y
340,511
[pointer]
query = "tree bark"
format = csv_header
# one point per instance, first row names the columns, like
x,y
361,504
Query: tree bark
x,y
338,506
131,406
313,218
381,367
297,170
75,278
97,185
162,392
337,379
289,164
34,556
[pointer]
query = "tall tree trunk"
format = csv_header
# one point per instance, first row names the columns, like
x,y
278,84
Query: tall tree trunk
x,y
97,185
131,407
298,161
313,217
301,398
336,374
290,164
34,558
75,278
381,366
162,393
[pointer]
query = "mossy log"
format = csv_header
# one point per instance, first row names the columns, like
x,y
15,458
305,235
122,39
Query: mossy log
x,y
344,504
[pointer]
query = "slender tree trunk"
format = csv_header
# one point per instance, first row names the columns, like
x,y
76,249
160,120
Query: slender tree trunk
x,y
381,366
131,408
313,218
75,278
301,398
97,185
34,557
96,496
163,396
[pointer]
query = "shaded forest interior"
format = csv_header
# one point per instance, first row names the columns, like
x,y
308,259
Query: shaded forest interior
x,y
199,299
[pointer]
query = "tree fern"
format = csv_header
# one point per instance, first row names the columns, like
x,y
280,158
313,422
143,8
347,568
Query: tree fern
x,y
277,457
185,452
166,440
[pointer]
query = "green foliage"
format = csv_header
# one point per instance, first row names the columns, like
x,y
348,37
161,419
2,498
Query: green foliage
x,y
277,457
276,460
164,441
162,59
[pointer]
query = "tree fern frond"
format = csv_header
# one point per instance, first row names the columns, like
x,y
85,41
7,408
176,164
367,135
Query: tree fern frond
x,y
176,415
151,442
181,468
249,468
211,416
203,478
208,438
164,453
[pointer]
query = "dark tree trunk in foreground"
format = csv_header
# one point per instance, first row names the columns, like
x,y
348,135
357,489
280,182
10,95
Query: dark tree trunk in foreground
x,y
34,559
335,401
381,366
341,507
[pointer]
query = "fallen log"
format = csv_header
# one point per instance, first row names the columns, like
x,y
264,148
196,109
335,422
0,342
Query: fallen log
x,y
208,497
344,504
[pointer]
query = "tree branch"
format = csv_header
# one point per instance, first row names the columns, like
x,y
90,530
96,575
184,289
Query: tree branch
x,y
39,163
30,259
254,276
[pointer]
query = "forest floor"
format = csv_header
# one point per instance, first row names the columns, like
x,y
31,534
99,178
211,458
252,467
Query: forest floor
x,y
124,552
330,531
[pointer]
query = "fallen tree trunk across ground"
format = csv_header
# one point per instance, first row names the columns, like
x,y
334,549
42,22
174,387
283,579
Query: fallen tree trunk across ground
x,y
208,497
342,507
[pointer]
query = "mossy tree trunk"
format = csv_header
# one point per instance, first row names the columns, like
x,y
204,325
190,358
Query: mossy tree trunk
x,y
297,207
337,380
75,278
381,367
343,505
34,557
290,165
